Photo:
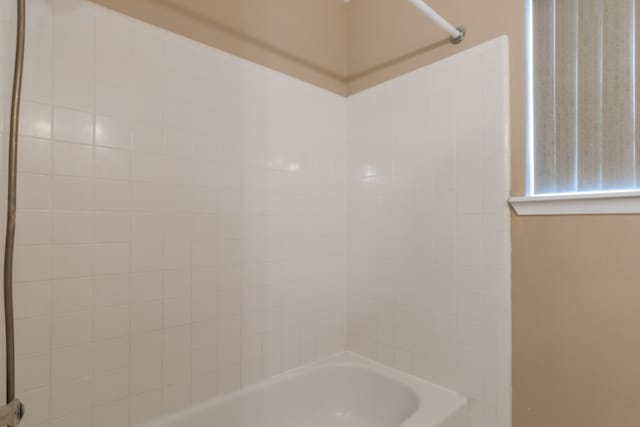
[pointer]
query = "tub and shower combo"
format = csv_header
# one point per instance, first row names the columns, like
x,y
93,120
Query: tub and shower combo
x,y
344,390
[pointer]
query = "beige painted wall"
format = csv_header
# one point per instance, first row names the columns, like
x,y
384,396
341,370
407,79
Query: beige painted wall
x,y
303,38
576,311
576,291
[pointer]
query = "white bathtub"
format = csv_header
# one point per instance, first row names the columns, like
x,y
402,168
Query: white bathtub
x,y
343,391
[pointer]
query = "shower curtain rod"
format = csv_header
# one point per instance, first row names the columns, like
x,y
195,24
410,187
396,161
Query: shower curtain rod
x,y
456,33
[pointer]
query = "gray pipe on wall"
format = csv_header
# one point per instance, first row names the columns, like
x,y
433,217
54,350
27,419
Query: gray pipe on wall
x,y
13,411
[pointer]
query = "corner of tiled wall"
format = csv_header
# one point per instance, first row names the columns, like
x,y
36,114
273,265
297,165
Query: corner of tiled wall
x,y
181,219
429,245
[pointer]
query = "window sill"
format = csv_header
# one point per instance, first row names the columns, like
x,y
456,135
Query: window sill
x,y
606,203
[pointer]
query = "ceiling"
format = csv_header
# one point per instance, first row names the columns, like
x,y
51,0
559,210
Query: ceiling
x,y
305,38
335,44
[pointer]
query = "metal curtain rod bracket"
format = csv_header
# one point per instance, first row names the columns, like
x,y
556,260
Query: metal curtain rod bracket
x,y
462,32
456,34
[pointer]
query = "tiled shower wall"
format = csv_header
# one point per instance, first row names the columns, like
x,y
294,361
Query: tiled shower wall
x,y
181,219
428,246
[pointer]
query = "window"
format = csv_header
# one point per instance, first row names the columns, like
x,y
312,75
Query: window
x,y
584,127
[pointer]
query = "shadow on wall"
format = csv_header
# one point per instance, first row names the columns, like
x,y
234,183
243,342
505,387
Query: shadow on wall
x,y
224,27
175,8
397,60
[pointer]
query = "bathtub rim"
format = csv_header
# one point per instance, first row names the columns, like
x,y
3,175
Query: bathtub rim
x,y
453,400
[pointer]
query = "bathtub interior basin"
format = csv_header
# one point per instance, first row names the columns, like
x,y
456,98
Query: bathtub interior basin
x,y
342,391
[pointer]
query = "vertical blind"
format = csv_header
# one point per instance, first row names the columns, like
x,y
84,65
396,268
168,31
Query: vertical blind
x,y
584,115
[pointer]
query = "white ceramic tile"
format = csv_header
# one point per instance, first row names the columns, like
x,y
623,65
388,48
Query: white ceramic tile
x,y
146,376
40,15
73,62
176,396
230,353
37,74
146,256
204,387
73,227
146,406
149,167
206,306
33,227
71,261
73,126
147,137
72,159
32,371
114,35
34,155
32,335
111,414
146,226
229,379
146,286
35,119
176,283
71,295
71,329
112,132
112,226
176,312
32,299
32,263
146,316
207,254
112,195
111,163
151,196
71,363
79,418
205,279
177,255
111,322
203,361
176,354
203,334
34,191
111,354
73,193
8,11
111,290
112,258
146,346
111,386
